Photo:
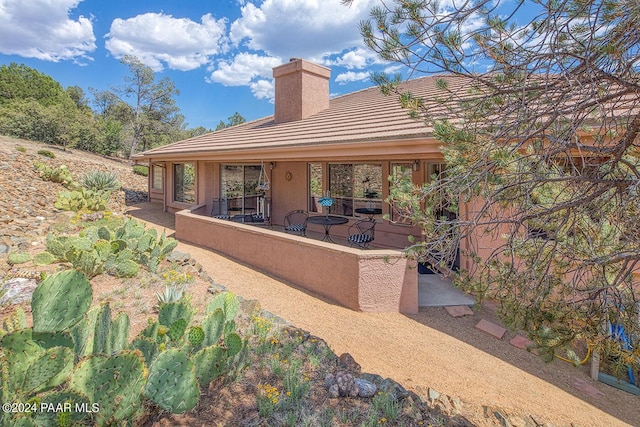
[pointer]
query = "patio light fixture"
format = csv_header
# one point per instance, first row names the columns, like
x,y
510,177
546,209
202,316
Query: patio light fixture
x,y
416,165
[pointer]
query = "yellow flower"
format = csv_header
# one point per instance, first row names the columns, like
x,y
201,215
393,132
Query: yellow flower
x,y
275,400
288,393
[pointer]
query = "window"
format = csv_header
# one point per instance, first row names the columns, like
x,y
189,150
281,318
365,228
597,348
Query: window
x,y
239,188
355,186
156,177
401,176
447,209
315,186
184,182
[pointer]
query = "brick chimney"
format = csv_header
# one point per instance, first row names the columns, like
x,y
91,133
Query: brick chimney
x,y
302,89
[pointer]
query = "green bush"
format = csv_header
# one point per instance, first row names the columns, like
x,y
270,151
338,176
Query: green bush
x,y
47,153
141,170
100,181
21,149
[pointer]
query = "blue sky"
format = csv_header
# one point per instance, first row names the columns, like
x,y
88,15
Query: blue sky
x,y
219,53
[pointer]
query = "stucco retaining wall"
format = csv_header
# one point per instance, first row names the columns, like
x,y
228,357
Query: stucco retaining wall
x,y
366,280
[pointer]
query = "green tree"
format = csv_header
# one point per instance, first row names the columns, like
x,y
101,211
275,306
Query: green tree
x,y
153,115
538,112
233,120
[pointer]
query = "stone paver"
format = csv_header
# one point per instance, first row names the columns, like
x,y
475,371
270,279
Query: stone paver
x,y
459,310
491,328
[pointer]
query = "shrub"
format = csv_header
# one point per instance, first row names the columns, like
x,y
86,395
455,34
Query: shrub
x,y
82,199
47,153
141,170
21,149
100,181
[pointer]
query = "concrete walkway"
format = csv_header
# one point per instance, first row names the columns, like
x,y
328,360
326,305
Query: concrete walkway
x,y
397,346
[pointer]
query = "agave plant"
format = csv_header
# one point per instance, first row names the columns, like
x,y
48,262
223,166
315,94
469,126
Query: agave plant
x,y
172,293
99,180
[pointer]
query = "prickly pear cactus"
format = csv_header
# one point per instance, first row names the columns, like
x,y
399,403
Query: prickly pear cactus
x,y
56,245
60,301
49,370
126,268
177,329
173,311
210,363
44,258
147,346
15,321
234,344
227,302
115,383
118,333
195,336
18,258
101,332
172,382
213,325
18,351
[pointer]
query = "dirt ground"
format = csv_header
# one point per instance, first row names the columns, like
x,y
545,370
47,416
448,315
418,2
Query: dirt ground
x,y
429,350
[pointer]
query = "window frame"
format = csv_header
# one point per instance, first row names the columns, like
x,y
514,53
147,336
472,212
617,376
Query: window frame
x,y
175,183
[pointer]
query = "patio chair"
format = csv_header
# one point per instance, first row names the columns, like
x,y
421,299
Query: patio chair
x,y
296,222
219,209
361,233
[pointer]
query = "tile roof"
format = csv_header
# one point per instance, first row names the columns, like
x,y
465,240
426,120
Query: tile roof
x,y
364,116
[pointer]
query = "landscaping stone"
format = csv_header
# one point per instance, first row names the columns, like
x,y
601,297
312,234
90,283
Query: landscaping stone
x,y
366,388
346,361
17,291
459,310
491,328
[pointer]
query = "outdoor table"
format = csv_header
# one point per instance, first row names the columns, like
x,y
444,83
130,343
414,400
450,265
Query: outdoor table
x,y
327,221
370,212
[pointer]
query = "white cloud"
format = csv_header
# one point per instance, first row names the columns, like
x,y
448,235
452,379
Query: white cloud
x,y
244,69
42,29
308,29
158,39
357,58
263,89
350,76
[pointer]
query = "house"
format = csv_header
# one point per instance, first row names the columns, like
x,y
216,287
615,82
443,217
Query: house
x,y
313,146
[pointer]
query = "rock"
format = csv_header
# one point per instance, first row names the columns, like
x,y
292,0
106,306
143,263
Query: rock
x,y
394,389
329,381
433,395
366,388
346,361
4,249
342,384
178,257
17,291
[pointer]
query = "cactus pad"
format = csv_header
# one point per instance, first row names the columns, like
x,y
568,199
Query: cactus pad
x,y
18,258
234,344
101,332
126,268
213,325
173,311
49,370
44,258
177,329
146,346
210,363
60,301
196,336
172,382
118,333
115,383
227,302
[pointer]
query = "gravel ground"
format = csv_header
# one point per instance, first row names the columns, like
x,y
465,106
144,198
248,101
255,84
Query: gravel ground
x,y
430,350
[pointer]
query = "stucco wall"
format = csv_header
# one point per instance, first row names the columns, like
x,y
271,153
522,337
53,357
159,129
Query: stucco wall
x,y
366,280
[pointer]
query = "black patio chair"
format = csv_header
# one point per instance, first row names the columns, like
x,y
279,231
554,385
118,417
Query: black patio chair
x,y
296,222
361,233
